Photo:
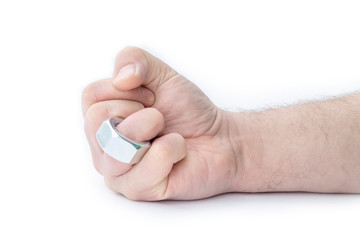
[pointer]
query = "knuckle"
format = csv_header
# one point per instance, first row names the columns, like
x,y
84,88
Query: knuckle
x,y
115,185
136,51
131,51
89,94
136,193
160,194
135,196
109,183
106,109
144,196
98,167
96,110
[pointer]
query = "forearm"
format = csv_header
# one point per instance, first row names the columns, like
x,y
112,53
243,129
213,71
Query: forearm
x,y
311,147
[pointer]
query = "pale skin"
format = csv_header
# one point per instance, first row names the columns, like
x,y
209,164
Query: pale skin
x,y
200,150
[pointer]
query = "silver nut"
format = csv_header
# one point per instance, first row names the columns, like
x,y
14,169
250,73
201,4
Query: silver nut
x,y
117,145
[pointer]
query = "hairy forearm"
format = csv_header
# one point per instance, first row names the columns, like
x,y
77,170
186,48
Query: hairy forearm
x,y
311,147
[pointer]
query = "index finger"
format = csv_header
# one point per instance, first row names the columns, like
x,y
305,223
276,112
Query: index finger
x,y
135,67
103,90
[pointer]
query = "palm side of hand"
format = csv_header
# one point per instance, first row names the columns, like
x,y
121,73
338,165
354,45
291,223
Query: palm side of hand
x,y
191,157
209,166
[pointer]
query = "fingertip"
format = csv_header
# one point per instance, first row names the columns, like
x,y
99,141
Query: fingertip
x,y
130,69
149,71
127,77
171,146
142,125
148,96
180,143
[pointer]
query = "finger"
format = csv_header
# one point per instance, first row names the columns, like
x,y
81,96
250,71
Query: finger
x,y
135,67
96,114
103,90
142,125
147,180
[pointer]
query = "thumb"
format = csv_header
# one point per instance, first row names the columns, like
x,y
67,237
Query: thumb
x,y
135,67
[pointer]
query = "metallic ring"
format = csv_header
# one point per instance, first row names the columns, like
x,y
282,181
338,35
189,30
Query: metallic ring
x,y
117,145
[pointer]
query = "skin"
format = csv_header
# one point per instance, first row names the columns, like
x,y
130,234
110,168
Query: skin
x,y
201,150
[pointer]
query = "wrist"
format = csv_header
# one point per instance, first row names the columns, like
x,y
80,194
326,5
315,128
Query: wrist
x,y
242,144
257,170
260,163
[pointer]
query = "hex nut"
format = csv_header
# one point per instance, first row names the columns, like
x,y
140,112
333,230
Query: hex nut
x,y
117,145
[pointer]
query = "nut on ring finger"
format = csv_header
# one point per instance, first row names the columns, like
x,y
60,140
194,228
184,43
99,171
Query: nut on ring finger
x,y
96,114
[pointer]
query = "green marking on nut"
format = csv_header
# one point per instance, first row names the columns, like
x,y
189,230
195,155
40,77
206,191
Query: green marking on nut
x,y
137,146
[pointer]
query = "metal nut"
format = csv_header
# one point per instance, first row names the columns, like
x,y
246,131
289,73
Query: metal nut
x,y
117,145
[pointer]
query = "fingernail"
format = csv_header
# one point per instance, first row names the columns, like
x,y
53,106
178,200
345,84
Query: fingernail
x,y
149,96
125,72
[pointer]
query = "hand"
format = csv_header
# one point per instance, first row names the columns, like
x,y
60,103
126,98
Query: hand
x,y
192,156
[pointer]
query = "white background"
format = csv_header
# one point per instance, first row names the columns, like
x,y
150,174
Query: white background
x,y
243,54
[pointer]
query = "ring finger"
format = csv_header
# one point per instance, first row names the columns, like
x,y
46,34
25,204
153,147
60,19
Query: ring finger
x,y
95,115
